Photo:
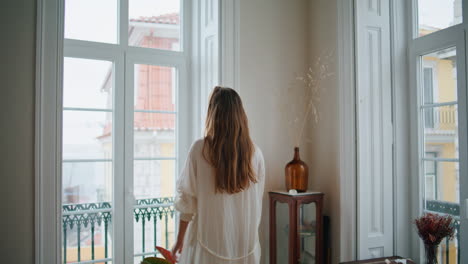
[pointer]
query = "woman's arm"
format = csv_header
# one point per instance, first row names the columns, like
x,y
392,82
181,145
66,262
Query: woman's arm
x,y
177,249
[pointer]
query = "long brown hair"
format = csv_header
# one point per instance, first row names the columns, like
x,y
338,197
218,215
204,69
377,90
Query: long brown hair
x,y
227,146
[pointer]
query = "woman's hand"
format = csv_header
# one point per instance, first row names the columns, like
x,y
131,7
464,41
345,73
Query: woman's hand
x,y
176,250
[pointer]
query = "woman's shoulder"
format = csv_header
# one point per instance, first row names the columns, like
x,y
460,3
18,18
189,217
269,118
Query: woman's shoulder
x,y
197,146
258,154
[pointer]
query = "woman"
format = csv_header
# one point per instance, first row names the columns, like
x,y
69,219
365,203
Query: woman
x,y
220,189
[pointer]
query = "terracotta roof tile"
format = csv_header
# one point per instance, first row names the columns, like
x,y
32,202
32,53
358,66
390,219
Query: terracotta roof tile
x,y
168,19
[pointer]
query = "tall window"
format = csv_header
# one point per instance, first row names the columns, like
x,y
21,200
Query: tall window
x,y
124,74
438,52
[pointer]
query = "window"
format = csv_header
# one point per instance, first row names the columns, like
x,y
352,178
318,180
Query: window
x,y
428,79
439,59
121,127
435,15
431,176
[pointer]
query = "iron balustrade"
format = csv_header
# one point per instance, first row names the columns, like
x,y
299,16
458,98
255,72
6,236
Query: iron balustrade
x,y
447,208
91,219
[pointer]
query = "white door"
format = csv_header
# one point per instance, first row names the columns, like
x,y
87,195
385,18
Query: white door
x,y
374,129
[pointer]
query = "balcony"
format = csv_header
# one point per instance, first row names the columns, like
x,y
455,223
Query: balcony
x,y
441,120
87,230
448,250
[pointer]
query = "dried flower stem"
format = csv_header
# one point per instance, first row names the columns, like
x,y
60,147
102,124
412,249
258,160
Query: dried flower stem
x,y
312,81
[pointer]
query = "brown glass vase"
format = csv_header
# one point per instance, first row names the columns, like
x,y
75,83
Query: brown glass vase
x,y
297,173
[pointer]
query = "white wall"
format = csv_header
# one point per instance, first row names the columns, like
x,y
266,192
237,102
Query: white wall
x,y
278,40
17,75
324,150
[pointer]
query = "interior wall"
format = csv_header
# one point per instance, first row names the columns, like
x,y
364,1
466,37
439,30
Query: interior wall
x,y
278,41
324,149
17,72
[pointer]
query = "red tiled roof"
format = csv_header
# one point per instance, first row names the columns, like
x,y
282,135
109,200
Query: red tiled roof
x,y
168,19
154,92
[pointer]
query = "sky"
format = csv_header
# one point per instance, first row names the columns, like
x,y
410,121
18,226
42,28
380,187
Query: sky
x,y
436,13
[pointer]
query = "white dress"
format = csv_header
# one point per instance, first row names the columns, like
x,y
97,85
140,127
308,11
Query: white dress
x,y
223,228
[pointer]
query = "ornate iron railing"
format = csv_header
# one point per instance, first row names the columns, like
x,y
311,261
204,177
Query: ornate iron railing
x,y
452,209
91,219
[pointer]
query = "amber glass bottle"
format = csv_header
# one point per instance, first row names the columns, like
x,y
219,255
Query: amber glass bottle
x,y
297,173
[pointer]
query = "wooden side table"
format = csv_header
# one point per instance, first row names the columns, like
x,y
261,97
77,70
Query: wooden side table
x,y
296,228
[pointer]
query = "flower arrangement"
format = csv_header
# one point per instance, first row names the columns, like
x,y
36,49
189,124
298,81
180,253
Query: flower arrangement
x,y
311,85
168,258
432,229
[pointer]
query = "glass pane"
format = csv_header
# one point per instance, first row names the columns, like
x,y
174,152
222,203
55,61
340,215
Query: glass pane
x,y
78,236
439,78
154,135
442,181
150,231
87,83
87,182
154,24
282,232
441,131
307,232
155,88
154,178
434,15
86,211
87,135
154,188
154,172
91,20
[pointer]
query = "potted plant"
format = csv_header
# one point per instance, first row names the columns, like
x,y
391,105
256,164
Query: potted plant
x,y
168,258
432,229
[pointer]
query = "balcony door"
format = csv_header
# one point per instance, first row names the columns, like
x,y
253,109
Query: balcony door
x,y
125,127
439,87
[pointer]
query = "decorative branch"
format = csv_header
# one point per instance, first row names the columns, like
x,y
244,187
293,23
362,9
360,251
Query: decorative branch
x,y
312,87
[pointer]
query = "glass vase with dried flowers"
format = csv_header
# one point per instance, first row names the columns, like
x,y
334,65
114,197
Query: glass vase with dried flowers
x,y
310,85
432,229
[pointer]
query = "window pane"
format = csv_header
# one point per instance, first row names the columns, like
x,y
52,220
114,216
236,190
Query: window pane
x,y
155,88
154,188
86,211
155,231
154,135
439,76
441,131
87,83
87,182
154,178
87,135
154,24
434,15
91,20
442,181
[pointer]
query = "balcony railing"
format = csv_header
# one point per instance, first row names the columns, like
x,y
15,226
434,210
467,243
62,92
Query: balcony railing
x,y
452,209
90,220
441,119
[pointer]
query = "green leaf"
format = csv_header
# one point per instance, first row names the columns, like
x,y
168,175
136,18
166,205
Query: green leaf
x,y
154,260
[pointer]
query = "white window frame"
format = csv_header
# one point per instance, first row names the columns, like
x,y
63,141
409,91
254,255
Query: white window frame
x,y
418,46
49,68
